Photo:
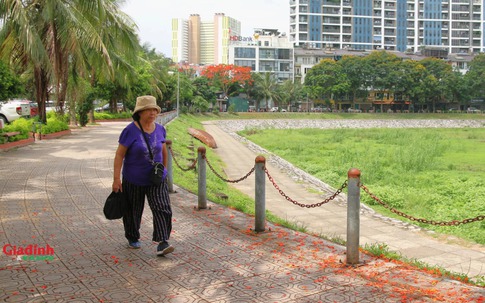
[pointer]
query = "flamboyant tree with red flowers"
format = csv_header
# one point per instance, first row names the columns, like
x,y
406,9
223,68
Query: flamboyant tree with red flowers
x,y
226,75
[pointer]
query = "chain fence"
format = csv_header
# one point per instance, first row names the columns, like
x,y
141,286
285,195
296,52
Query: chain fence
x,y
331,197
190,167
282,193
224,179
420,220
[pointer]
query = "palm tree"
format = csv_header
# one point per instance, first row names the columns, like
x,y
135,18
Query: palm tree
x,y
290,91
268,88
56,39
22,45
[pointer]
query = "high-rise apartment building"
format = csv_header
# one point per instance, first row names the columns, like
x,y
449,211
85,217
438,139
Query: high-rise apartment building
x,y
203,42
402,25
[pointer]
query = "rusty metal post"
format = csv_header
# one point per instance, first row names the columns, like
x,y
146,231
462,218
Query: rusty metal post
x,y
202,192
260,195
169,167
353,216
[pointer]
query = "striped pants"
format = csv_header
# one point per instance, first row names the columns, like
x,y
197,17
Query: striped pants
x,y
159,202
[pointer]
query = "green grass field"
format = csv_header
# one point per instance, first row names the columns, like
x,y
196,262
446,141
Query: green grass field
x,y
433,174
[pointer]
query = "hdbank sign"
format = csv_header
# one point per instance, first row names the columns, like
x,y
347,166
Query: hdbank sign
x,y
255,37
241,38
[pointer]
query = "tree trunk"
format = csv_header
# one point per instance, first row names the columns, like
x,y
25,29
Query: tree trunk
x,y
40,78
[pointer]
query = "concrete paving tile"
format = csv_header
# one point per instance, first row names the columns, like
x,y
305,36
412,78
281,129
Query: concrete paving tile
x,y
85,298
348,294
121,294
17,295
224,291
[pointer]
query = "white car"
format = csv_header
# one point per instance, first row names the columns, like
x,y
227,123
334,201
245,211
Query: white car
x,y
473,110
14,109
105,107
352,110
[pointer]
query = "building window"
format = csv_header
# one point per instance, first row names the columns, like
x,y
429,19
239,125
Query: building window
x,y
267,53
284,54
247,63
244,52
285,67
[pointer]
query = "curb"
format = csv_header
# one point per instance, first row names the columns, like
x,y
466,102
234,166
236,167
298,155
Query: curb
x,y
53,135
20,143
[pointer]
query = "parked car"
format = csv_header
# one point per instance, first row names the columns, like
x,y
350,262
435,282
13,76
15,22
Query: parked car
x,y
321,109
50,106
274,109
473,110
119,107
13,109
353,110
34,109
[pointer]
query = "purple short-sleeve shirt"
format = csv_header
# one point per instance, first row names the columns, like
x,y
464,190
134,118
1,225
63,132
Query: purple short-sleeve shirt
x,y
137,163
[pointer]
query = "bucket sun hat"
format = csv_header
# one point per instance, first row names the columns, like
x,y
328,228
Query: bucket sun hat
x,y
146,102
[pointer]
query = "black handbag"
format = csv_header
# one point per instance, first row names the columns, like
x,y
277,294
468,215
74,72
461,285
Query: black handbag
x,y
115,206
156,174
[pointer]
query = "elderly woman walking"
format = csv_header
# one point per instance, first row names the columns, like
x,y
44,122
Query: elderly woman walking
x,y
141,143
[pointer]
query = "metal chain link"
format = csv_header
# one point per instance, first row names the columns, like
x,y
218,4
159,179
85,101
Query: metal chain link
x,y
301,204
227,180
425,221
192,166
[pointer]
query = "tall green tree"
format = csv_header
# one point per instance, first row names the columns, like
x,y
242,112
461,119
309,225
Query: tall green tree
x,y
355,69
203,89
379,74
410,82
10,85
440,80
327,80
475,77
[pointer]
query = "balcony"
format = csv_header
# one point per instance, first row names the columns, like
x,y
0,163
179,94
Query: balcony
x,y
331,30
330,10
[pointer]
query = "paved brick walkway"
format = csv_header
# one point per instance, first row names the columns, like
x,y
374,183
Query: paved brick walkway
x,y
52,193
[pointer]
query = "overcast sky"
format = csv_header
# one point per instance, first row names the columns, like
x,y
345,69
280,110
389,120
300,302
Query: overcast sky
x,y
154,17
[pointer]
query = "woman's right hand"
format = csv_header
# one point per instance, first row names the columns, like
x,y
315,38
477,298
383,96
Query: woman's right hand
x,y
117,185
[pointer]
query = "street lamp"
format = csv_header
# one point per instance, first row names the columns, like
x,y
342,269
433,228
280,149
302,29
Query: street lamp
x,y
178,88
178,91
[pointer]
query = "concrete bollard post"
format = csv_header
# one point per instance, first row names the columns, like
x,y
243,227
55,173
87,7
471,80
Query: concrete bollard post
x,y
353,216
260,194
202,192
169,167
